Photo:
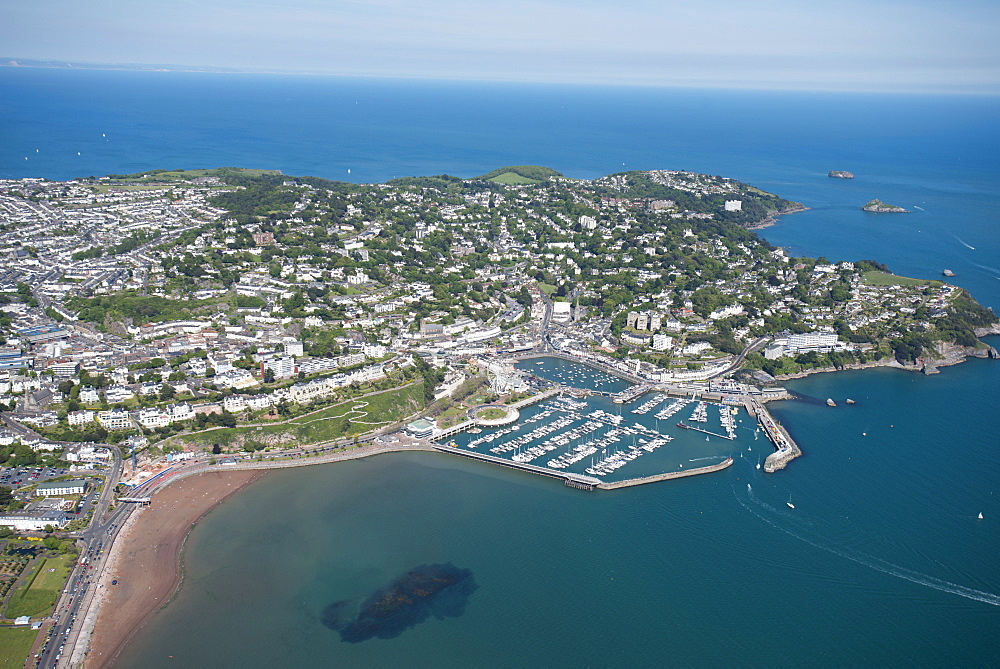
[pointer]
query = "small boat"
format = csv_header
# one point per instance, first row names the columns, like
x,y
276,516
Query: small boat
x,y
947,272
830,402
758,463
789,502
980,515
849,401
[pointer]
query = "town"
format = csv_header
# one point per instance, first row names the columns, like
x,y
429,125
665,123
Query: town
x,y
160,325
145,310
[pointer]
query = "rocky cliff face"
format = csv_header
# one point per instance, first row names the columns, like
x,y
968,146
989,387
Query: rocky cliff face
x,y
947,353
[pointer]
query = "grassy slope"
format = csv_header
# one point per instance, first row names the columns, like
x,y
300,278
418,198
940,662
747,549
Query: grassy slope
x,y
326,424
883,279
534,173
512,178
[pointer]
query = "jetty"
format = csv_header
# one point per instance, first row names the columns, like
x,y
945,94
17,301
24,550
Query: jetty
x,y
698,429
787,449
630,394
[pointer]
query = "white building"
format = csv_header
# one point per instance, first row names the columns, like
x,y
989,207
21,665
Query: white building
x,y
61,488
734,205
662,342
116,394
561,312
115,419
89,395
236,378
34,520
152,418
80,417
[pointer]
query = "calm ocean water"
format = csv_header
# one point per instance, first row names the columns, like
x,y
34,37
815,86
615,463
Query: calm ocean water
x,y
882,561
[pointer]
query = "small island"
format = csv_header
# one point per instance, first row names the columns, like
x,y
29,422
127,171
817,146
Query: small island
x,y
840,174
880,207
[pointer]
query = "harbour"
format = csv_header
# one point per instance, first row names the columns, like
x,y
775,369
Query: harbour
x,y
594,430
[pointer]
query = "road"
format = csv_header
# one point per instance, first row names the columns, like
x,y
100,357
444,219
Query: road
x,y
740,358
80,586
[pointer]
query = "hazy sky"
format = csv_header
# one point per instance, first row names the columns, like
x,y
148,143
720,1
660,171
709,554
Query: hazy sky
x,y
835,44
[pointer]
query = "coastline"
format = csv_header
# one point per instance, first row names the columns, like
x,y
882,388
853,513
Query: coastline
x,y
953,355
772,219
146,559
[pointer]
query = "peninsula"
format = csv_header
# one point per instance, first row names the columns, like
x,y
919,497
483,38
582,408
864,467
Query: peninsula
x,y
231,319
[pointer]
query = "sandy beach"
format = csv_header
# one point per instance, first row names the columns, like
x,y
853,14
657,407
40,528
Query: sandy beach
x,y
146,561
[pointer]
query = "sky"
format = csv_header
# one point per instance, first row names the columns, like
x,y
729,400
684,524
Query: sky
x,y
864,45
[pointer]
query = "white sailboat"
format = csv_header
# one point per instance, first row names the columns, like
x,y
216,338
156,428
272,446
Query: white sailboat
x,y
980,515
789,502
758,463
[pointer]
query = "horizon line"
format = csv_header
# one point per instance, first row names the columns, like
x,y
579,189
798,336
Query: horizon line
x,y
15,63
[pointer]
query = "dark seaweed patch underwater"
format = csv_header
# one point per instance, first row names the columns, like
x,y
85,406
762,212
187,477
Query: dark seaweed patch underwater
x,y
441,590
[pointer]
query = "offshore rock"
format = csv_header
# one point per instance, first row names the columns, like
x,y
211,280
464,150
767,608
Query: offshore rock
x,y
880,207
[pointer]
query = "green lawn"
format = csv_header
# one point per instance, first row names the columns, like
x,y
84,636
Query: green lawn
x,y
546,288
362,415
511,178
39,595
883,279
15,644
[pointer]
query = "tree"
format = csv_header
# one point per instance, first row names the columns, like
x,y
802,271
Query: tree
x,y
268,375
167,392
216,449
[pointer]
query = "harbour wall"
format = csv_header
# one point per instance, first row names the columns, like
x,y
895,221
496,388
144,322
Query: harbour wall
x,y
614,485
786,448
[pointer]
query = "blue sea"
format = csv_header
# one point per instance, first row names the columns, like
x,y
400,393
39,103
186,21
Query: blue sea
x,y
881,562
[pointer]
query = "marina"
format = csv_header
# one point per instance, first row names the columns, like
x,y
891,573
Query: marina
x,y
594,430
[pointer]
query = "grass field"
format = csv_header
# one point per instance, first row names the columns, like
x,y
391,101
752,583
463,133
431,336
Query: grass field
x,y
884,279
15,644
546,288
361,415
511,178
39,595
181,175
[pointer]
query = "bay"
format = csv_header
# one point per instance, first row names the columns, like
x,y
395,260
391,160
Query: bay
x,y
882,561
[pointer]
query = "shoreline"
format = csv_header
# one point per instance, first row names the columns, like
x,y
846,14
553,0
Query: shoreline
x,y
772,219
147,562
927,366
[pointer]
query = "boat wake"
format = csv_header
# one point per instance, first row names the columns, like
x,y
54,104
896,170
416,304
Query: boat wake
x,y
968,246
869,561
986,267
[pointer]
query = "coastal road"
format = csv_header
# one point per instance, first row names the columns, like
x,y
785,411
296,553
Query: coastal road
x,y
738,361
80,586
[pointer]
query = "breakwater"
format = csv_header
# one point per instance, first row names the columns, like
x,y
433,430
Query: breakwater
x,y
787,449
613,485
575,480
